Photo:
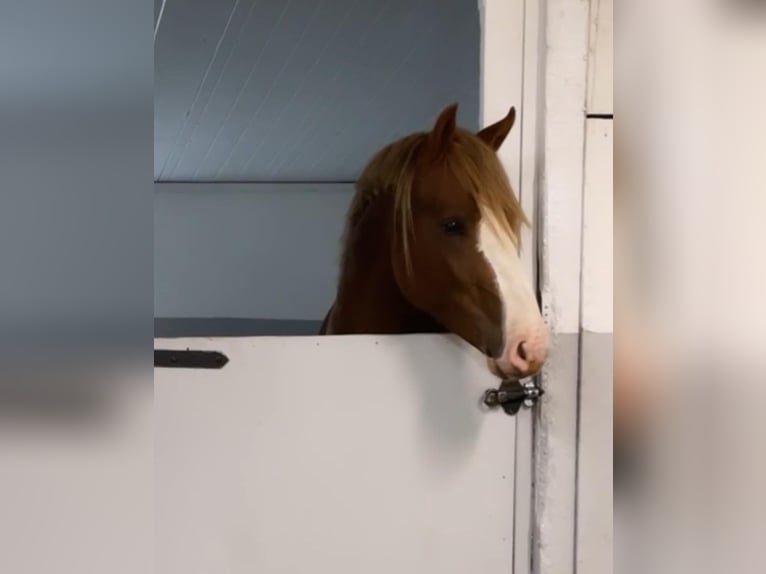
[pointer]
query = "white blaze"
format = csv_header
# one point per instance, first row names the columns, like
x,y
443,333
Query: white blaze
x,y
521,315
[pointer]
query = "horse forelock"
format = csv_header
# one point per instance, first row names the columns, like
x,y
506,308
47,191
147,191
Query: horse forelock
x,y
390,171
478,169
474,164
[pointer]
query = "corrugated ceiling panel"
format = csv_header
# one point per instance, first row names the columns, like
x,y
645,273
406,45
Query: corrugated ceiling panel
x,y
304,90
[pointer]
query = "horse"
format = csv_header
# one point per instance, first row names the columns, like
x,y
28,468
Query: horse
x,y
431,245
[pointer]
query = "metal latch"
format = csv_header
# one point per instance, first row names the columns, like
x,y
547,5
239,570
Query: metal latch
x,y
512,395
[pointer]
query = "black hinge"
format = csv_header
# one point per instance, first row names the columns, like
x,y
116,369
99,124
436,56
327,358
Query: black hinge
x,y
512,395
180,359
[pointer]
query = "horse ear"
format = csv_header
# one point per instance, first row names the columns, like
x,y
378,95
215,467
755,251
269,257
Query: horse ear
x,y
495,135
444,128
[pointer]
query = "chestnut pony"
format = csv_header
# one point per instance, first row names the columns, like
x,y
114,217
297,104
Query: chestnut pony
x,y
432,245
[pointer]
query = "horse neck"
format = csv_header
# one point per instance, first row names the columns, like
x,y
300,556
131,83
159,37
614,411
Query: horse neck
x,y
369,299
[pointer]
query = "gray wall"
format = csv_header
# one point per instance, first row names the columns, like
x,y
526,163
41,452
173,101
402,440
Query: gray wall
x,y
246,251
305,90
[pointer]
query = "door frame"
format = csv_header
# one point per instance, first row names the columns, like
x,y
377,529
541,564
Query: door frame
x,y
547,81
508,77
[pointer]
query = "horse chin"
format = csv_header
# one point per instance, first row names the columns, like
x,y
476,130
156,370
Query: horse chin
x,y
505,374
495,368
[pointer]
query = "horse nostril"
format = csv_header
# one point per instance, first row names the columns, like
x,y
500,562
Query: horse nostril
x,y
524,357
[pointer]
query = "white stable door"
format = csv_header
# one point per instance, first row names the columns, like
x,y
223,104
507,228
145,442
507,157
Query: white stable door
x,y
334,455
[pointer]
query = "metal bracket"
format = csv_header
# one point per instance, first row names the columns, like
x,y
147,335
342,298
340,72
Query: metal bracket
x,y
512,395
179,359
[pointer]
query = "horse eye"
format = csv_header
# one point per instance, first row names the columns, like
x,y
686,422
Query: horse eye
x,y
454,227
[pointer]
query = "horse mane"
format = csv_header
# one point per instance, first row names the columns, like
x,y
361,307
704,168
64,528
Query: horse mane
x,y
474,164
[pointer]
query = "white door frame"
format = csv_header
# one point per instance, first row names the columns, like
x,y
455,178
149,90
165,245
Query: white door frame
x,y
563,96
508,78
548,83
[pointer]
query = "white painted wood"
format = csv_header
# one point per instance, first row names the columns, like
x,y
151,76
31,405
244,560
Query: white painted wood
x,y
597,250
595,456
562,181
601,57
333,454
594,450
502,49
529,127
565,86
